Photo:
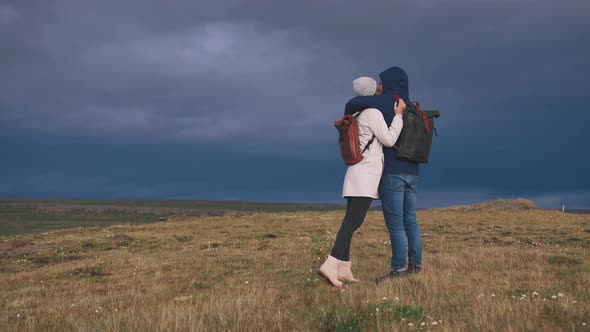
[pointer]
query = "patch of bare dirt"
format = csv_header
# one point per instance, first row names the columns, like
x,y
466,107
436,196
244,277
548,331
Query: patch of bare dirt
x,y
12,248
13,244
122,239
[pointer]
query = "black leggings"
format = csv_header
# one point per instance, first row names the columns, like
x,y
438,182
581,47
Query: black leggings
x,y
356,210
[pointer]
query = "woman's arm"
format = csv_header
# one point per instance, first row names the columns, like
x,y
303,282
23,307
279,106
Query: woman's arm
x,y
360,103
376,122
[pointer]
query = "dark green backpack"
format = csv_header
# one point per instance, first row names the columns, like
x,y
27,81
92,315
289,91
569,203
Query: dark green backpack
x,y
415,140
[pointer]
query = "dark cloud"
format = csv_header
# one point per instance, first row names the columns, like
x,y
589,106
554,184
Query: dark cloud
x,y
268,80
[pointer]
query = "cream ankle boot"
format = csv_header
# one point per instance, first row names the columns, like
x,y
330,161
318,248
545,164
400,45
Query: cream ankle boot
x,y
345,271
329,270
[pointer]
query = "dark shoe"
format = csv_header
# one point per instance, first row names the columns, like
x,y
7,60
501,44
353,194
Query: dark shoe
x,y
414,268
391,275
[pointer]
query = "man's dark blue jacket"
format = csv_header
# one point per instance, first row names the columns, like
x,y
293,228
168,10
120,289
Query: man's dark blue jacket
x,y
395,81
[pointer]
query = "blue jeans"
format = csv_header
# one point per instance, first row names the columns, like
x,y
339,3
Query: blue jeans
x,y
398,200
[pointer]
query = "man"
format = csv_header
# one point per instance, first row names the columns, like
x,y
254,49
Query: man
x,y
397,189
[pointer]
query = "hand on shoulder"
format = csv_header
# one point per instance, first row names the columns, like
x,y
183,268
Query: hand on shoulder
x,y
399,107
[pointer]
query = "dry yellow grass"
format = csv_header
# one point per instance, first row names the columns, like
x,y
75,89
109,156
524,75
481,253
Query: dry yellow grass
x,y
258,273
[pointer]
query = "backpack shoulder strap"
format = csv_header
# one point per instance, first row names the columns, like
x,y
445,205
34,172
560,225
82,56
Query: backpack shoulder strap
x,y
372,138
368,144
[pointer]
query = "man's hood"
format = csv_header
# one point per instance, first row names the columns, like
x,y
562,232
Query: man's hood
x,y
395,81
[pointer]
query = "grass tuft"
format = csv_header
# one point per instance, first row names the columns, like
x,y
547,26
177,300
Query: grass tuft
x,y
369,317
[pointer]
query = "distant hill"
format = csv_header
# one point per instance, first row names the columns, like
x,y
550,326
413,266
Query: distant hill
x,y
21,216
167,205
31,215
579,211
498,204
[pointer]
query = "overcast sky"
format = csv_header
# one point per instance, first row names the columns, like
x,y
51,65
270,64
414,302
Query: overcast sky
x,y
236,100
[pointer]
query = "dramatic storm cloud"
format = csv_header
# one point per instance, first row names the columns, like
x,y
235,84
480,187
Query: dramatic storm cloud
x,y
236,99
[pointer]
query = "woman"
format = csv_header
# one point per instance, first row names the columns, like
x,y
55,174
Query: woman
x,y
362,180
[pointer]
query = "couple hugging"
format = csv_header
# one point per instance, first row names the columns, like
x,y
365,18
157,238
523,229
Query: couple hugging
x,y
380,175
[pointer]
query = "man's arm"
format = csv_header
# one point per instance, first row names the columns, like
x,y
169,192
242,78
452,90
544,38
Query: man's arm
x,y
360,103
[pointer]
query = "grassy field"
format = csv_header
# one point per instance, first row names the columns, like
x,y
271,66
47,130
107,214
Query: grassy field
x,y
483,271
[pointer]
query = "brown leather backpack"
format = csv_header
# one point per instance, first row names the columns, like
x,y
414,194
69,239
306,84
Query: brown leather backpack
x,y
349,139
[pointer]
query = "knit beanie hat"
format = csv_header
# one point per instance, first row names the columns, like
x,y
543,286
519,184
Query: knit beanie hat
x,y
364,86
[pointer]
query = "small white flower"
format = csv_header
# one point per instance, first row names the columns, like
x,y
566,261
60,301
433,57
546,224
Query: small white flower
x,y
574,302
183,298
384,299
553,297
397,298
583,324
116,309
535,294
422,324
410,324
17,315
493,295
96,311
559,294
434,323
246,282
